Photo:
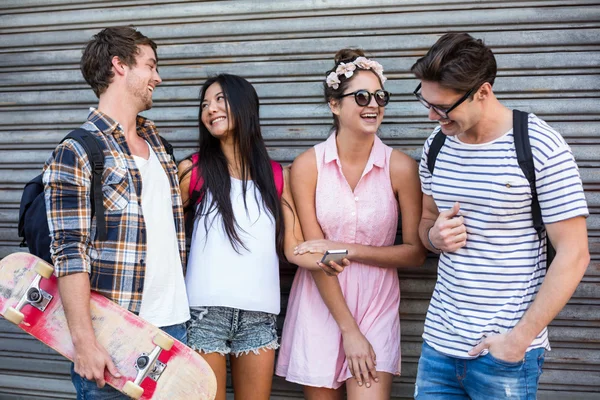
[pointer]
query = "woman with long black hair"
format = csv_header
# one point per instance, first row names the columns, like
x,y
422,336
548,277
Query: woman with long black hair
x,y
242,219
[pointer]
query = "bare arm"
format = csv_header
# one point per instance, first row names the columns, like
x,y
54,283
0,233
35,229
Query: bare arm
x,y
405,182
359,352
570,240
293,230
90,358
75,294
428,217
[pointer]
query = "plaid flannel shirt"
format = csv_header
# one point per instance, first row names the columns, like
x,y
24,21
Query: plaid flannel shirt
x,y
116,266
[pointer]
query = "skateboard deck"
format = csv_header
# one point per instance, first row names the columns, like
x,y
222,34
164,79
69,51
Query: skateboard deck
x,y
153,365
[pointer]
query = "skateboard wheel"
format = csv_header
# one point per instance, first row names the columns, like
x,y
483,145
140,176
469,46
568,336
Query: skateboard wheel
x,y
132,390
44,270
163,341
14,316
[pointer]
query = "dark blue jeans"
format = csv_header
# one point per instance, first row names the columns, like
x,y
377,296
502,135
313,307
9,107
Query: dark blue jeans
x,y
440,377
88,390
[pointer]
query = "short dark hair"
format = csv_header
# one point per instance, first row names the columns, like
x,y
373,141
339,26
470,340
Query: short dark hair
x,y
457,61
96,61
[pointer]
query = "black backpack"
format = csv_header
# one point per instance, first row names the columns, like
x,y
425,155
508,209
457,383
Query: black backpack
x,y
525,159
33,222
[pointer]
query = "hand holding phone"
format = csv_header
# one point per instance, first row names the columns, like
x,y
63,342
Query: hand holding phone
x,y
334,255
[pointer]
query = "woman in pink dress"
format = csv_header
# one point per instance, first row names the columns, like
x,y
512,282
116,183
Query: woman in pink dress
x,y
345,328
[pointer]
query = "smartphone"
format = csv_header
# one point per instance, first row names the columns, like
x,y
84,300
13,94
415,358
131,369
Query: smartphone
x,y
334,255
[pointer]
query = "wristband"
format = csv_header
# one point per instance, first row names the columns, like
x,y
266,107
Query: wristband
x,y
430,243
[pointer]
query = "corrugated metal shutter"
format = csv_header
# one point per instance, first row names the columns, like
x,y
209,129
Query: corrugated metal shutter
x,y
548,54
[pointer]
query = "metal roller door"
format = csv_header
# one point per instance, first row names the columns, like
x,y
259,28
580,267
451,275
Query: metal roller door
x,y
548,54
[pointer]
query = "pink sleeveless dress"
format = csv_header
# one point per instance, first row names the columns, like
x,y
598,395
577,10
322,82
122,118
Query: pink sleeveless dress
x,y
311,350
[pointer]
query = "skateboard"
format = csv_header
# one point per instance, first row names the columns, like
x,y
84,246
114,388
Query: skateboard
x,y
153,365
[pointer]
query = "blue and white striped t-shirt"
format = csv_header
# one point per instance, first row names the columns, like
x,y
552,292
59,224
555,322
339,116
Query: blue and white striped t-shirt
x,y
486,287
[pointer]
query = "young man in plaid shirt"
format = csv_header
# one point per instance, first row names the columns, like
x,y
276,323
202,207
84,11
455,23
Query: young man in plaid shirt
x,y
140,265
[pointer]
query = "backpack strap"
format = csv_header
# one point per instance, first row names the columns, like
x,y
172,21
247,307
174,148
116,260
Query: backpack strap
x,y
277,177
168,147
525,159
434,149
197,181
96,156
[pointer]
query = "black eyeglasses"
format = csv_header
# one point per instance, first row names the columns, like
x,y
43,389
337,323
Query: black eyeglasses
x,y
363,97
440,111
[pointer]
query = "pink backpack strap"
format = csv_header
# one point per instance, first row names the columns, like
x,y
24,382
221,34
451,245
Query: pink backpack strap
x,y
277,177
196,181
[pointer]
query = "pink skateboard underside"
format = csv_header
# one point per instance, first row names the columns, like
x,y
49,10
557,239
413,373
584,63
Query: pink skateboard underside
x,y
124,335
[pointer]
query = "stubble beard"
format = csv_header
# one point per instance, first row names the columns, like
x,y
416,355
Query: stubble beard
x,y
140,93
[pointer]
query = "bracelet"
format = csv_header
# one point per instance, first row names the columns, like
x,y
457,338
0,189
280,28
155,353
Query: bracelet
x,y
429,239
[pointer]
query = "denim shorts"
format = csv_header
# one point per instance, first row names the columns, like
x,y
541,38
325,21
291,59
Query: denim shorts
x,y
226,330
442,377
88,390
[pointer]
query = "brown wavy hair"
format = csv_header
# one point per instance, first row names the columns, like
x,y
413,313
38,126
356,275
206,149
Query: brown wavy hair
x,y
96,61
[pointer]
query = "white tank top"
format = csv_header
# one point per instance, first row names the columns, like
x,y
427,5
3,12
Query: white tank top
x,y
219,276
164,301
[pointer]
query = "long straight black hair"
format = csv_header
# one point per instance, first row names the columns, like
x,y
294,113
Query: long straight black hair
x,y
241,102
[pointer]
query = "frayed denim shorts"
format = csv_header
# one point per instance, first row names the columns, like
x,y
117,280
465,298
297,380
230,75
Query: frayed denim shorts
x,y
226,330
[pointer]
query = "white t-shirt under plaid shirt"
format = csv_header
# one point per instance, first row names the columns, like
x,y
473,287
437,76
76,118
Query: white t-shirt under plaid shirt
x,y
486,287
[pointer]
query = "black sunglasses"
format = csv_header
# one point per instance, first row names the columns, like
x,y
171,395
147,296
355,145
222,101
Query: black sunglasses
x,y
363,97
440,111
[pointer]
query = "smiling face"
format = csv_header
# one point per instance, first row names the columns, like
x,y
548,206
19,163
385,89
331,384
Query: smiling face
x,y
462,118
351,116
142,78
216,114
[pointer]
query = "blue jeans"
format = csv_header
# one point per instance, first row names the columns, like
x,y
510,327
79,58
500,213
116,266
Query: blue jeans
x,y
441,377
88,390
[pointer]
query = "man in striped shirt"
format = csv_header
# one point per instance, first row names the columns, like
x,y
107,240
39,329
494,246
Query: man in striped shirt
x,y
485,332
140,264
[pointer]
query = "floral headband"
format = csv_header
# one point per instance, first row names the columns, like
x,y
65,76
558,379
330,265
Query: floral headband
x,y
347,69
